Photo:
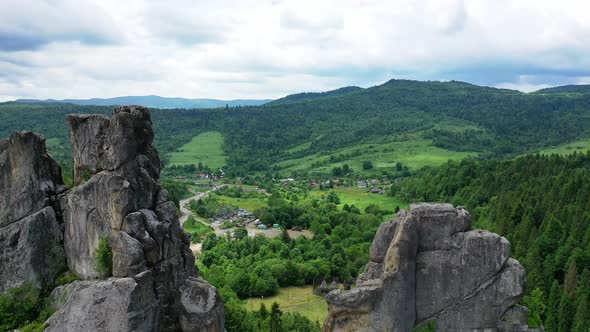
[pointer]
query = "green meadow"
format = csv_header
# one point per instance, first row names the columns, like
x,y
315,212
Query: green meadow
x,y
568,148
299,299
248,204
413,153
206,148
361,198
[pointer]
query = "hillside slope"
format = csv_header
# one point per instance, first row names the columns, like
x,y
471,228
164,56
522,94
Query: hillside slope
x,y
452,116
583,88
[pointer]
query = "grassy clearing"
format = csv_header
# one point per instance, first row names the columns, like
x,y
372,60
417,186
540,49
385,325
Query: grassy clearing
x,y
206,148
568,148
295,299
196,189
361,198
197,230
414,153
249,204
300,147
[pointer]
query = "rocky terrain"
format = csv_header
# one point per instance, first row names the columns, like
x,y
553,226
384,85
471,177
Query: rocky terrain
x,y
425,266
116,196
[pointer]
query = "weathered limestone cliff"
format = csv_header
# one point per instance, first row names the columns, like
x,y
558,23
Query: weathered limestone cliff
x,y
427,265
31,235
116,197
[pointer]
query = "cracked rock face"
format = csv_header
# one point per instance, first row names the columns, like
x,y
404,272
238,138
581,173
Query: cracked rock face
x,y
118,196
31,232
427,265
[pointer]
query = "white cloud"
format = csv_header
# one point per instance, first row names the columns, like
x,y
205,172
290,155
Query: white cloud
x,y
524,84
256,49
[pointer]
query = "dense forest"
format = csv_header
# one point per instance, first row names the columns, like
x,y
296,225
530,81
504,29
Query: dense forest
x,y
452,115
244,267
542,205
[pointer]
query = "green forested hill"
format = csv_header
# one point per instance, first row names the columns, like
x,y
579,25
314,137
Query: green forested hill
x,y
582,88
306,96
452,115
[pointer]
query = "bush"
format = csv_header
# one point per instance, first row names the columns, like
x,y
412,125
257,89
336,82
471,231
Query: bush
x,y
66,278
19,306
429,326
34,327
240,233
104,257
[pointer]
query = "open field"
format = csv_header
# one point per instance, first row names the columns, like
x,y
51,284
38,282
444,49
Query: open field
x,y
206,148
361,198
413,153
249,204
300,147
568,148
298,299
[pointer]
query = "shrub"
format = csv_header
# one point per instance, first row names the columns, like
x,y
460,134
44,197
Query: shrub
x,y
104,257
367,165
19,306
429,326
66,278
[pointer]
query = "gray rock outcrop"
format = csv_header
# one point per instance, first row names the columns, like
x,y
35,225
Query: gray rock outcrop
x,y
117,196
31,235
427,265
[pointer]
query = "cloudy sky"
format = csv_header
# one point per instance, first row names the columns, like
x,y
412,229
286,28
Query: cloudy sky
x,y
265,49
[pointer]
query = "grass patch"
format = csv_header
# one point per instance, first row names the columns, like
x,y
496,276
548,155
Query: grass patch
x,y
299,147
104,257
249,204
568,148
196,189
414,153
197,230
299,299
206,148
361,198
66,278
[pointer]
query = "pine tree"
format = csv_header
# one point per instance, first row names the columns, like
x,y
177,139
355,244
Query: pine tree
x,y
551,322
565,313
582,315
275,318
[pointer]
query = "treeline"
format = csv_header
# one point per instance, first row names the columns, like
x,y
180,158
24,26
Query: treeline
x,y
542,205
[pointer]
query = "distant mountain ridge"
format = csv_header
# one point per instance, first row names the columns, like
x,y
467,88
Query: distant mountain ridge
x,y
305,96
153,102
580,88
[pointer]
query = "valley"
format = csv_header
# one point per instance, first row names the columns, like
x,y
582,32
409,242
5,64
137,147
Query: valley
x,y
280,197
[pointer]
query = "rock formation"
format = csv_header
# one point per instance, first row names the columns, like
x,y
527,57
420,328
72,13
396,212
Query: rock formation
x,y
427,265
117,197
31,235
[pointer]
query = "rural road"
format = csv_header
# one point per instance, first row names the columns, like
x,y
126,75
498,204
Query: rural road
x,y
252,231
185,213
